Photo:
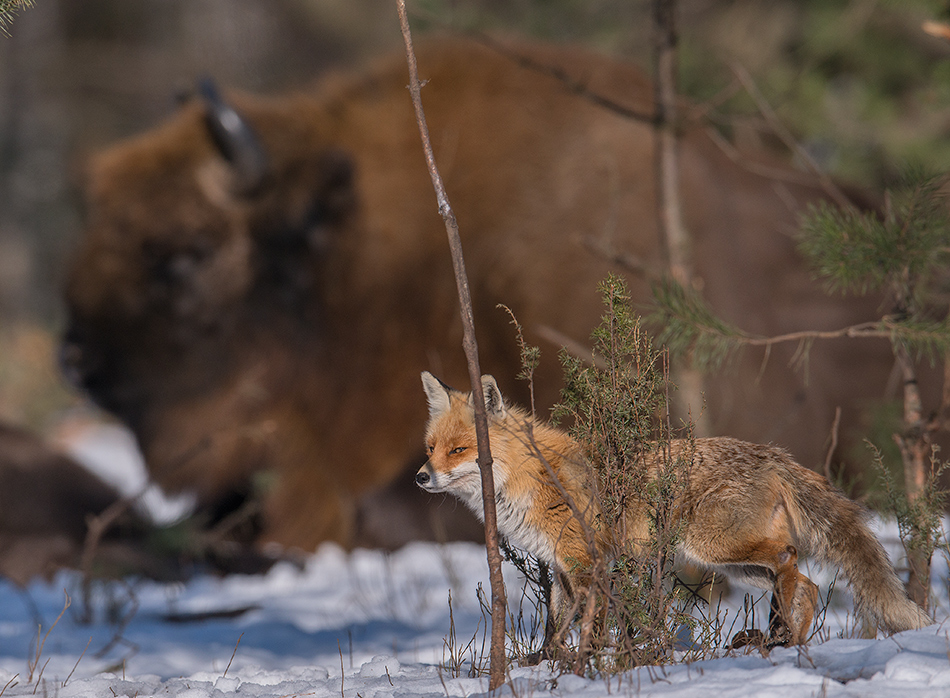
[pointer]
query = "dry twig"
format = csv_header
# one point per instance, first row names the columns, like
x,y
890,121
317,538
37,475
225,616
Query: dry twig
x,y
499,602
834,442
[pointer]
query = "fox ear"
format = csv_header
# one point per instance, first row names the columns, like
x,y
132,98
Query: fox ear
x,y
494,403
437,394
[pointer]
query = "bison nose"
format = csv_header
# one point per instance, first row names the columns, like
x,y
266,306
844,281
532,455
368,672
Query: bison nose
x,y
422,478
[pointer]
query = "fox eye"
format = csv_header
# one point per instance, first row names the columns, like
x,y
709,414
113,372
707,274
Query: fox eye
x,y
455,451
429,449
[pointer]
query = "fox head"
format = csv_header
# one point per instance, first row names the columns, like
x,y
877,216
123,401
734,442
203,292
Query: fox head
x,y
450,438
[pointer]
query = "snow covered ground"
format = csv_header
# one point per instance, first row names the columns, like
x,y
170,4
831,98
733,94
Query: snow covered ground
x,y
375,624
370,624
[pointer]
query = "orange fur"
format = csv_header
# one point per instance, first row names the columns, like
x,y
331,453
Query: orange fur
x,y
746,509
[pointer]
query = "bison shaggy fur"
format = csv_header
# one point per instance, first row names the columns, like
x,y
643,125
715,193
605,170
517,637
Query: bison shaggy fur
x,y
266,341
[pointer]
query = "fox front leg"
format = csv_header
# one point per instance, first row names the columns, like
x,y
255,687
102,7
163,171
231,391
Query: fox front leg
x,y
561,608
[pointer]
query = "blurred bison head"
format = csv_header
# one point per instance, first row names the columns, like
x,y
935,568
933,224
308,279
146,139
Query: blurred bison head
x,y
258,294
191,284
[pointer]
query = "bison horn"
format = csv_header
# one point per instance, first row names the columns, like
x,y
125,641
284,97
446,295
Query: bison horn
x,y
234,138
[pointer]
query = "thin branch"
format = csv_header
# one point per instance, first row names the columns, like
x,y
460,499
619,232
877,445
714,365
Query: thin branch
x,y
624,260
914,444
690,328
882,329
786,136
834,442
777,174
41,643
573,85
73,671
499,602
96,527
674,237
123,623
865,329
13,681
233,654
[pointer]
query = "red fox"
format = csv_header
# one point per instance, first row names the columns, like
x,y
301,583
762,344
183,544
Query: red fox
x,y
748,510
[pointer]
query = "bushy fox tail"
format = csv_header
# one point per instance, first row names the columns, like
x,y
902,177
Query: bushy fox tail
x,y
834,529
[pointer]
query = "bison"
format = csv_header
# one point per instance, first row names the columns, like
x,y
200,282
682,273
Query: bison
x,y
258,287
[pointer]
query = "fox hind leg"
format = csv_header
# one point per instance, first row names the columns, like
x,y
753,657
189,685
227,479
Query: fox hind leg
x,y
794,596
794,599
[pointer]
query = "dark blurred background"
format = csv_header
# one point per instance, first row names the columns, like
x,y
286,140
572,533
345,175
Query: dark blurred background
x,y
856,81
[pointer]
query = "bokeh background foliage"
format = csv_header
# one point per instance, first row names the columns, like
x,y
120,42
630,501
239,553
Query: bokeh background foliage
x,y
857,82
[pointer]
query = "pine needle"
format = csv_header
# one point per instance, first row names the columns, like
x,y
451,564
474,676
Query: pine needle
x,y
8,10
689,327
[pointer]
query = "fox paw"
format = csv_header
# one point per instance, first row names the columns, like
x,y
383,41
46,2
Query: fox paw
x,y
544,654
532,659
753,637
744,638
779,636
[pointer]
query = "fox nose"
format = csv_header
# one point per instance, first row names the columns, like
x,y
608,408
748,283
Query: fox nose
x,y
422,477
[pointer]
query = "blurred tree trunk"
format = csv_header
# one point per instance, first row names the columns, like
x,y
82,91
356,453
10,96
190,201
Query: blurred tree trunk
x,y
34,127
914,444
674,237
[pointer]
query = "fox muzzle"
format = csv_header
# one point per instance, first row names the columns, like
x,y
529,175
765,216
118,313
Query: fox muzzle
x,y
426,479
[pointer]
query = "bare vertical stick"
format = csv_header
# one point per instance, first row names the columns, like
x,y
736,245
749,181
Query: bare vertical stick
x,y
499,602
834,443
233,654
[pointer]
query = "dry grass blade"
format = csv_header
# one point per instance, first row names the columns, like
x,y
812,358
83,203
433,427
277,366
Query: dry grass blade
x,y
240,637
73,670
9,684
40,643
